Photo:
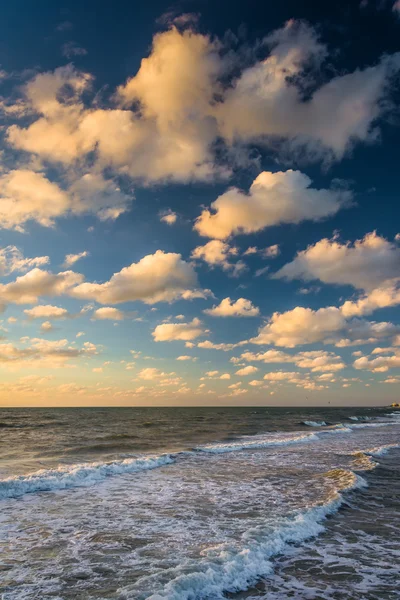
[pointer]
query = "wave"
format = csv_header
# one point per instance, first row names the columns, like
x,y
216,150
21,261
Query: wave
x,y
336,429
360,418
314,423
78,475
381,450
228,569
256,444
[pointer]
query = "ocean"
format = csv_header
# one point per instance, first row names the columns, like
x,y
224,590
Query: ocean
x,y
200,503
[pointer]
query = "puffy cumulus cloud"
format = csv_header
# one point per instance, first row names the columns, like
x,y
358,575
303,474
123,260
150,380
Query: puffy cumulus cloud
x,y
12,259
359,331
246,371
228,308
380,364
168,332
28,288
208,345
365,265
301,326
46,311
217,254
281,375
38,353
268,102
151,373
71,259
328,325
92,193
46,327
158,277
29,196
145,137
273,198
108,313
316,360
169,217
384,296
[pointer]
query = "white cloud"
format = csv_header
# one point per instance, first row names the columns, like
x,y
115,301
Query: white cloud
x,y
271,251
246,371
185,357
208,345
159,277
151,373
169,217
46,326
167,332
12,259
365,265
27,288
383,296
281,376
108,313
217,254
71,259
266,103
380,364
315,360
273,198
228,308
225,376
29,196
46,311
301,326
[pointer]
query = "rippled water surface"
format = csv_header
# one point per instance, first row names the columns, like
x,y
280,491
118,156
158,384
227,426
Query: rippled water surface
x,y
187,504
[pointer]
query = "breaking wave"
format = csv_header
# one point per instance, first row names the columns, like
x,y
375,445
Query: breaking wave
x,y
228,569
78,475
257,443
314,423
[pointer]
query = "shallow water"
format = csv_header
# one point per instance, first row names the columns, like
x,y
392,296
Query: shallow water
x,y
185,504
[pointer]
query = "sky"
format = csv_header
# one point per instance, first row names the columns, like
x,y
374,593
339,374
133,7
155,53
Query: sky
x,y
199,203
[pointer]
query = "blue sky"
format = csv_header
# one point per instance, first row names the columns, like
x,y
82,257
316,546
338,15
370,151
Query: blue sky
x,y
199,203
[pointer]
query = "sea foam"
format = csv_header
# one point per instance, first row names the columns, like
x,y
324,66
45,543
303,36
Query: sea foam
x,y
228,569
256,444
77,475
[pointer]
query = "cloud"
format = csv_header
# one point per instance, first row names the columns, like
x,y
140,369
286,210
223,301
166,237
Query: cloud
x,y
168,332
208,345
380,364
278,102
159,277
46,311
246,371
185,357
72,49
28,288
328,325
108,313
271,251
169,217
228,308
273,199
281,375
383,296
301,326
29,196
217,254
316,360
12,259
41,353
46,326
71,259
365,264
151,373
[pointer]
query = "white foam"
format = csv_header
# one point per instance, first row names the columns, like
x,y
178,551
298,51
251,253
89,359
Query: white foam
x,y
380,450
360,418
256,443
314,423
77,475
336,429
225,568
